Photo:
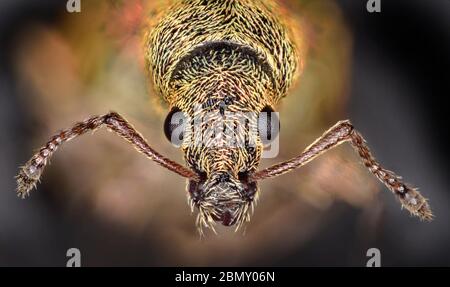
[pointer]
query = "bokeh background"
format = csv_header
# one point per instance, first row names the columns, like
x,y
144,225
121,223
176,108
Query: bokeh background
x,y
388,72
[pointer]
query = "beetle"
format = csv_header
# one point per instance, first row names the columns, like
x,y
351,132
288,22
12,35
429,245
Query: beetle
x,y
222,67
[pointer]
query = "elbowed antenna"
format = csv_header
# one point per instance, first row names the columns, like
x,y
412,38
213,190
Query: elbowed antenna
x,y
341,132
30,174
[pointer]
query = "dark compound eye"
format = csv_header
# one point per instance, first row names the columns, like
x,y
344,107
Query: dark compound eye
x,y
174,126
268,125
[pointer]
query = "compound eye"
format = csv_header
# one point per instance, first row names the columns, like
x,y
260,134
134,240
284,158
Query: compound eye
x,y
174,126
268,125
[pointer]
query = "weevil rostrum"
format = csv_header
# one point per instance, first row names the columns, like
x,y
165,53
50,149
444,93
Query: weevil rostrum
x,y
225,63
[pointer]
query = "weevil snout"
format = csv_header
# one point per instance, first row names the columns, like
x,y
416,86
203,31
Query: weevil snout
x,y
222,197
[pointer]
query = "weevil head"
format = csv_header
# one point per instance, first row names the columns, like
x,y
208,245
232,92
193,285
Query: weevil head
x,y
224,149
224,157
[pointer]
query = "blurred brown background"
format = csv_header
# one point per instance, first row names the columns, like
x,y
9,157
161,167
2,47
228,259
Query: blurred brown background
x,y
387,72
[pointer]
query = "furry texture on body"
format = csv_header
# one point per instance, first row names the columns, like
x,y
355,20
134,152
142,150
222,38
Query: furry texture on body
x,y
228,57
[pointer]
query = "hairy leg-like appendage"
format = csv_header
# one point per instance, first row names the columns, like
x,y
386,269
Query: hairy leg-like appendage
x,y
344,131
30,173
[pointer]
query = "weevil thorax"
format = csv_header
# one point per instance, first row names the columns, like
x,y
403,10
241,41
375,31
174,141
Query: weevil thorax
x,y
221,63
